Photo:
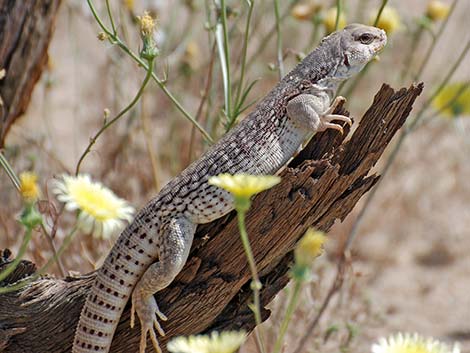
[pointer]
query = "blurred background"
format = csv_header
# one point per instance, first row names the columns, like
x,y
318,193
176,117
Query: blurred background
x,y
410,267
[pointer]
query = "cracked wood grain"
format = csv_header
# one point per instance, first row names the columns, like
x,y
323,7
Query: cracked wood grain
x,y
25,31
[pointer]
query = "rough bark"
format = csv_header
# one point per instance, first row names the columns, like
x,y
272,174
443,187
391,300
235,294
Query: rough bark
x,y
322,184
25,32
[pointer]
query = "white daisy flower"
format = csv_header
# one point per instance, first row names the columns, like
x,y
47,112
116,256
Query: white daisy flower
x,y
412,343
224,342
101,212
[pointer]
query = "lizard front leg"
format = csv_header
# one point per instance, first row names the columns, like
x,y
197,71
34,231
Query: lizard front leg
x,y
176,242
309,111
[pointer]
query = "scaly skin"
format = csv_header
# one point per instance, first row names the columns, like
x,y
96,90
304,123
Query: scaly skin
x,y
152,250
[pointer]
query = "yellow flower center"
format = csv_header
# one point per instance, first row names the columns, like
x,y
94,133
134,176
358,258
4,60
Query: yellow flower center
x,y
411,348
94,200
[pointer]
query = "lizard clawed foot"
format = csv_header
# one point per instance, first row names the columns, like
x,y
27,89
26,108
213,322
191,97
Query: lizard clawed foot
x,y
326,122
327,117
147,311
337,101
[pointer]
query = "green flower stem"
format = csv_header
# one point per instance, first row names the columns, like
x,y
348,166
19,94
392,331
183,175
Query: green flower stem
x,y
110,15
20,284
56,256
265,40
112,121
280,62
60,265
256,284
244,53
114,39
293,300
434,41
10,172
379,14
224,51
11,267
313,35
409,58
338,13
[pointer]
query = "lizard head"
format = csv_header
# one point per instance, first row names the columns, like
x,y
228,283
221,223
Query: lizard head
x,y
359,44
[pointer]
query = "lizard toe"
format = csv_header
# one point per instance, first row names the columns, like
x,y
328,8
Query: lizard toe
x,y
148,312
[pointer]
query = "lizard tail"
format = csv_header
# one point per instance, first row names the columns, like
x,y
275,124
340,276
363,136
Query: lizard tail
x,y
112,289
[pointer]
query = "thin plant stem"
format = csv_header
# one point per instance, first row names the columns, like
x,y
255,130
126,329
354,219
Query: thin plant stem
x,y
22,283
280,62
114,39
49,238
148,144
112,121
225,54
10,172
338,13
204,98
335,286
265,40
434,41
62,248
379,14
110,15
293,300
256,284
313,36
362,73
409,58
244,52
24,245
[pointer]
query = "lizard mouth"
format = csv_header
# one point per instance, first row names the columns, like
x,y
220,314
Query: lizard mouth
x,y
382,43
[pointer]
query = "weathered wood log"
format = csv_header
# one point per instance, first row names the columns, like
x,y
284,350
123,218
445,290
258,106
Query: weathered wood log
x,y
322,184
25,32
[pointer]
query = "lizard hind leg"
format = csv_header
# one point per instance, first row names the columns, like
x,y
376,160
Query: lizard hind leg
x,y
176,239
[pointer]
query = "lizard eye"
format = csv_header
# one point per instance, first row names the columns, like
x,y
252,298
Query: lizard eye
x,y
366,38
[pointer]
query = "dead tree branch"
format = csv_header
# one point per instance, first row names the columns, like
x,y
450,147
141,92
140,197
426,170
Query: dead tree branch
x,y
25,32
321,185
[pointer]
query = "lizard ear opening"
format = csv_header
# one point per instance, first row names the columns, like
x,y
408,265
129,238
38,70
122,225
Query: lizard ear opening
x,y
346,60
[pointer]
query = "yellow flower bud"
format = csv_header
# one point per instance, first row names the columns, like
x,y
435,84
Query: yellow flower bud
x,y
329,20
147,27
129,5
102,36
309,247
28,186
147,24
306,10
453,100
389,20
437,10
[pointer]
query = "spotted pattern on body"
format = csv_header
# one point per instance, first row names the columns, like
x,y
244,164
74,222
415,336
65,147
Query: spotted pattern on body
x,y
153,248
